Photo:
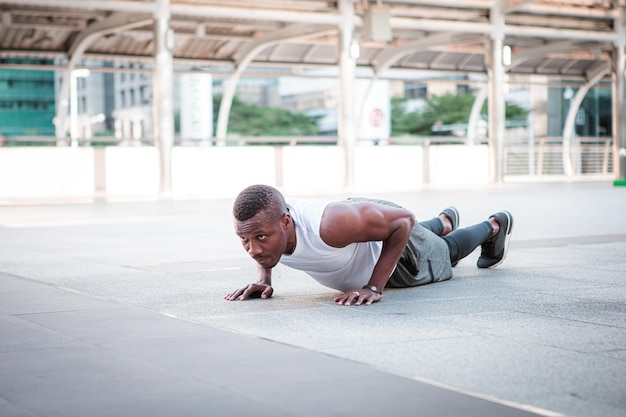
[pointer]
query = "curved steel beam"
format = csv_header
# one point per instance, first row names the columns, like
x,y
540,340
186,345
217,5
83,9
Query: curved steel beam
x,y
568,128
474,117
542,51
387,58
244,59
117,22
472,124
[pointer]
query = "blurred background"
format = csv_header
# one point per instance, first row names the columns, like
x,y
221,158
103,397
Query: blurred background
x,y
196,98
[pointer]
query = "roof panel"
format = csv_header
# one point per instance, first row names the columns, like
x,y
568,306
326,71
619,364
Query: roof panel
x,y
581,66
476,62
451,60
322,54
217,30
422,58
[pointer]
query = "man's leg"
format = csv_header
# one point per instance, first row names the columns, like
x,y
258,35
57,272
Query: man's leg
x,y
494,250
447,221
492,235
462,242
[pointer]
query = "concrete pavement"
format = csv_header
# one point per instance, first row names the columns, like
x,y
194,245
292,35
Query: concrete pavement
x,y
117,309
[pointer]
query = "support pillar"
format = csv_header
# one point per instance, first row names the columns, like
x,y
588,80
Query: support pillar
x,y
63,107
618,72
246,55
619,120
346,129
496,94
163,96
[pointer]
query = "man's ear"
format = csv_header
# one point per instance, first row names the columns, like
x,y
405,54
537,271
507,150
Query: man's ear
x,y
286,220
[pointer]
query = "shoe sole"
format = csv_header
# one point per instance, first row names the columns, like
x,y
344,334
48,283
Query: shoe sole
x,y
509,227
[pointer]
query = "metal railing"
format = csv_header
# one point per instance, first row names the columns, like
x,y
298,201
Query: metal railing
x,y
542,157
545,156
112,141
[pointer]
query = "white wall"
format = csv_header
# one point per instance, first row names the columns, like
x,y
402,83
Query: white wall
x,y
454,165
221,172
131,171
388,168
215,172
46,172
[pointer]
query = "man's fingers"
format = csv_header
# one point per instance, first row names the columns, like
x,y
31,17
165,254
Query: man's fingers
x,y
357,298
360,299
363,298
251,291
234,295
351,297
246,294
342,299
254,291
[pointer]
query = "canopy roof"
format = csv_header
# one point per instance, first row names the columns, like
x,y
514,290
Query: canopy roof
x,y
560,38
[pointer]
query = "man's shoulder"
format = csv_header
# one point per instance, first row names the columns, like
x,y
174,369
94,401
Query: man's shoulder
x,y
307,213
308,204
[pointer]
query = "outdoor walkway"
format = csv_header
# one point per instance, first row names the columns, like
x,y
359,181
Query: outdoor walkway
x,y
116,309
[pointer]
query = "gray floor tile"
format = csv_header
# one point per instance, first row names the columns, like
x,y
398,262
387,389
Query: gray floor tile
x,y
120,306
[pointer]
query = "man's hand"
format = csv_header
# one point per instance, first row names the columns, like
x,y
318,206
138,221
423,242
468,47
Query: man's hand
x,y
251,291
358,297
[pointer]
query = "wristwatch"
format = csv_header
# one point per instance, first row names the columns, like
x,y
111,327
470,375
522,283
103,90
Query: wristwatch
x,y
373,288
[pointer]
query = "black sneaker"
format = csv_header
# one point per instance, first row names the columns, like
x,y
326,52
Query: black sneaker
x,y
453,214
494,250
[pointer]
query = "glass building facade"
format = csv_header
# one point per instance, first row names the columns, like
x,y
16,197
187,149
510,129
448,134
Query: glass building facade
x,y
27,100
593,118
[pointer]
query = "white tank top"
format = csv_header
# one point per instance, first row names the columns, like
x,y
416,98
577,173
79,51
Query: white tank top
x,y
342,269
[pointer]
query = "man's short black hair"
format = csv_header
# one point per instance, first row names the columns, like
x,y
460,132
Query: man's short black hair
x,y
257,198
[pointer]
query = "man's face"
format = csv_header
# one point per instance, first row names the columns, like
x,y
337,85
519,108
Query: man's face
x,y
264,237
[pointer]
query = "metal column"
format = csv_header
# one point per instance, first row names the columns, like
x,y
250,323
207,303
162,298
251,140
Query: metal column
x,y
619,90
496,94
346,129
163,95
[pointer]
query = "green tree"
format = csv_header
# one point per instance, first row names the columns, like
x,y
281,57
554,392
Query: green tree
x,y
447,109
248,119
402,121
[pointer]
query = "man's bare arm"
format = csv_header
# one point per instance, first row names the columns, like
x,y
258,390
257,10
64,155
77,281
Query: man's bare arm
x,y
346,223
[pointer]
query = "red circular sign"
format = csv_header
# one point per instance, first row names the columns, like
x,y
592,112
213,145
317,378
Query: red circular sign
x,y
376,117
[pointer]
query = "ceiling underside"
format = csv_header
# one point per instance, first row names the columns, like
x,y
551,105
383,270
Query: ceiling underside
x,y
560,38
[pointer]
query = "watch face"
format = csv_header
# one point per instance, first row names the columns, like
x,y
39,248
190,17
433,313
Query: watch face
x,y
373,288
